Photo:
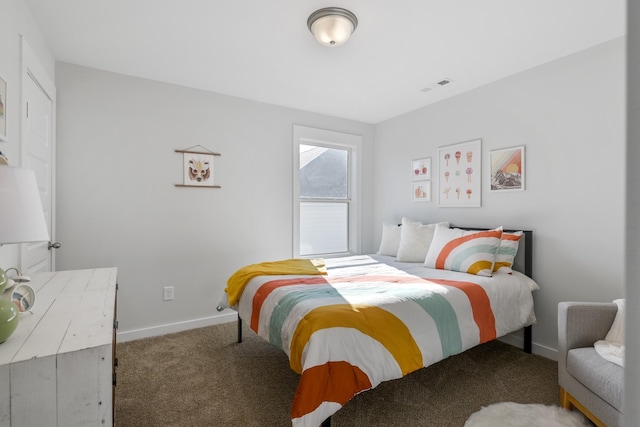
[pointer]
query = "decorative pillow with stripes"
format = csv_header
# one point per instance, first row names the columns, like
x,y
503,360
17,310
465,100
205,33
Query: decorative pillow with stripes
x,y
507,252
471,252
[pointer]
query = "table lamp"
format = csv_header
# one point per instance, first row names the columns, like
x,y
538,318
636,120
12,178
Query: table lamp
x,y
21,221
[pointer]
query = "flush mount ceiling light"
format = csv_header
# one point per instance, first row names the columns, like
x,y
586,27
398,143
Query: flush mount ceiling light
x,y
332,26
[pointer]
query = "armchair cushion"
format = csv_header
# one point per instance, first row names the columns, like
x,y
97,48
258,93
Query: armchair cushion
x,y
603,378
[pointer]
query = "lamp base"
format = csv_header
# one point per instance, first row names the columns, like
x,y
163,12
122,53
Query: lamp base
x,y
9,316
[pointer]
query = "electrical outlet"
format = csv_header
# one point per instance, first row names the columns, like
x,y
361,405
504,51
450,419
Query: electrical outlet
x,y
168,293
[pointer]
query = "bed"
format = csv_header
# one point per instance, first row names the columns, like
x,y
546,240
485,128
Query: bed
x,y
349,323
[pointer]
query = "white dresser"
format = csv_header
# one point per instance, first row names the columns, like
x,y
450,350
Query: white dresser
x,y
58,367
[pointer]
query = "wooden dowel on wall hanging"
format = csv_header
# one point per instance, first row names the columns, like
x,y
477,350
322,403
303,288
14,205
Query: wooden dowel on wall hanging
x,y
198,186
211,153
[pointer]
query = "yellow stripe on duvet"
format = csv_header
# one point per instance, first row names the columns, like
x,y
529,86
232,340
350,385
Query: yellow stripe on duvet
x,y
379,324
238,281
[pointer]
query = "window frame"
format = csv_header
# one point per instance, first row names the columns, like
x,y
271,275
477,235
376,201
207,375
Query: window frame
x,y
303,135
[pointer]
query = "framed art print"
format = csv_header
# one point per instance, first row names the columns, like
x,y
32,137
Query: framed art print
x,y
197,167
421,191
460,174
507,169
421,169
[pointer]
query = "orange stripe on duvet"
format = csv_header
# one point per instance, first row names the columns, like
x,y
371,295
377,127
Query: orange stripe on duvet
x,y
375,322
265,290
480,304
331,382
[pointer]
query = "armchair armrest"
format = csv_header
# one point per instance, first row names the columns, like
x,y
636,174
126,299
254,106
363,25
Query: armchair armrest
x,y
580,324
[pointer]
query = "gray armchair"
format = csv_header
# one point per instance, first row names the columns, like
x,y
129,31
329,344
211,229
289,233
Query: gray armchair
x,y
588,382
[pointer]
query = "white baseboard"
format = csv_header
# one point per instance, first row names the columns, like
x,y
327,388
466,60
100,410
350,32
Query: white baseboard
x,y
154,331
539,349
544,351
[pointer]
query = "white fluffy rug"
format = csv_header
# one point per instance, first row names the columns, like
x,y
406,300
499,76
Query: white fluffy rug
x,y
518,415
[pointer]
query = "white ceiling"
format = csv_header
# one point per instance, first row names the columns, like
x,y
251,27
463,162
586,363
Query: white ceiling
x,y
262,50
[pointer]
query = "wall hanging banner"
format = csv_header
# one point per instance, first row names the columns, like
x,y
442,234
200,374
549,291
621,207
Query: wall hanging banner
x,y
197,165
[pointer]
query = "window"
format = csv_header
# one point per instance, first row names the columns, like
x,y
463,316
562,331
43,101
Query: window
x,y
325,182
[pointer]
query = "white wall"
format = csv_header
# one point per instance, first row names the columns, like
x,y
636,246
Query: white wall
x,y
632,356
570,115
118,206
16,21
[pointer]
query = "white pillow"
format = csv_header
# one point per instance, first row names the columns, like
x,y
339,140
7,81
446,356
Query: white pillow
x,y
415,239
390,239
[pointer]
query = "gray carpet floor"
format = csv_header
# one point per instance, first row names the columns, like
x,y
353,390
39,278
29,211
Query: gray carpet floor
x,y
203,377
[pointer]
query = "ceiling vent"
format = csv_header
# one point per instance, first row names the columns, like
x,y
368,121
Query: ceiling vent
x,y
442,82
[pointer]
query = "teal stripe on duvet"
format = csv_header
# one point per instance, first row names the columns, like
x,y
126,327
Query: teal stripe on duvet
x,y
434,304
446,322
442,313
289,301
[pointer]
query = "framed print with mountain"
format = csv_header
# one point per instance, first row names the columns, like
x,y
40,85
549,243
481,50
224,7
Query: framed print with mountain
x,y
507,169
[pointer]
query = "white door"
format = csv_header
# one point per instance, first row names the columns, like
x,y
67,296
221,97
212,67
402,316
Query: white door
x,y
38,143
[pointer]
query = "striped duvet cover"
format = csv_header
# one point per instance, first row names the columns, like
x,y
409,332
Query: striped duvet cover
x,y
371,319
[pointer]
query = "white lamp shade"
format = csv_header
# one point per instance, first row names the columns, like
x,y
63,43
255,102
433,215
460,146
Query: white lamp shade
x,y
21,216
332,30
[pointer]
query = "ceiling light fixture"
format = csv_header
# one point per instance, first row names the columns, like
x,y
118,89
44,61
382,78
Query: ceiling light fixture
x,y
332,26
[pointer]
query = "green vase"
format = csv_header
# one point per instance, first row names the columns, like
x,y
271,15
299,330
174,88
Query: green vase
x,y
9,314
